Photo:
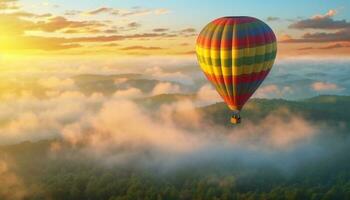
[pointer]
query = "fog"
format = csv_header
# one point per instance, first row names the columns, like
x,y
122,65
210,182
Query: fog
x,y
118,129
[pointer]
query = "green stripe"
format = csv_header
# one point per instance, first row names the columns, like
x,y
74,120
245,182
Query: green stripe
x,y
238,62
241,88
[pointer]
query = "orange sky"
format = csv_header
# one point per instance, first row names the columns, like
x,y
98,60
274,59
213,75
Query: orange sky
x,y
136,31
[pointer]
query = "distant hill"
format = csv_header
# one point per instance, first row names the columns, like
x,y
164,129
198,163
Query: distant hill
x,y
96,77
108,84
155,101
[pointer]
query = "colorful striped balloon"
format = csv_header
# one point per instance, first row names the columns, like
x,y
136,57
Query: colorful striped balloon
x,y
236,54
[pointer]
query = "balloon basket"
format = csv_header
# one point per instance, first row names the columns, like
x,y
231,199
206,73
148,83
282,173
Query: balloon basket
x,y
236,118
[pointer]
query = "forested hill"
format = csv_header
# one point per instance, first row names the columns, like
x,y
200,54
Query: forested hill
x,y
31,171
330,109
326,108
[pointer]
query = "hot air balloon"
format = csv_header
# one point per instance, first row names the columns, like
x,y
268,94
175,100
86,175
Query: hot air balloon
x,y
236,54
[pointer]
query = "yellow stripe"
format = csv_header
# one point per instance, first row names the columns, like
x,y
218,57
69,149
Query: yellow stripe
x,y
227,71
268,49
236,53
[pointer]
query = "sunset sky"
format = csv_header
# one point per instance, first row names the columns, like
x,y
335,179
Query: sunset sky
x,y
164,27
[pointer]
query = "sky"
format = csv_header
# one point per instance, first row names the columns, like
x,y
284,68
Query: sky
x,y
164,27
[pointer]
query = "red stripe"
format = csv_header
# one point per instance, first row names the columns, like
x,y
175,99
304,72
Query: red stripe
x,y
243,78
250,41
234,20
237,101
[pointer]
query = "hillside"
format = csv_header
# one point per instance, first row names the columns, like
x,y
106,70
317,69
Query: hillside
x,y
325,108
328,109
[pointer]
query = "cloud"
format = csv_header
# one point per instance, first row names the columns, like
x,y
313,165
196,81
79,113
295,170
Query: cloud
x,y
118,81
161,11
134,25
12,186
284,37
160,29
17,24
321,22
117,130
335,46
330,46
281,129
9,5
330,13
272,91
28,32
181,113
324,86
118,37
112,128
184,44
14,30
164,131
71,12
341,29
165,88
129,93
26,122
12,24
187,53
39,43
143,12
100,10
29,15
140,48
207,95
24,42
59,23
136,11
305,48
188,30
56,83
177,131
159,73
27,117
270,19
111,31
338,36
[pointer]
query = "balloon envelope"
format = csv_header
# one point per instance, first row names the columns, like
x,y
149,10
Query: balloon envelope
x,y
236,54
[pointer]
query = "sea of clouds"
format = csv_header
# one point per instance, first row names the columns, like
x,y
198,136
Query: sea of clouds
x,y
43,101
